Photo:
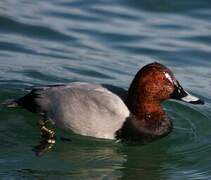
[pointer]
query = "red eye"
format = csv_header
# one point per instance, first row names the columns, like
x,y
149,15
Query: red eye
x,y
161,78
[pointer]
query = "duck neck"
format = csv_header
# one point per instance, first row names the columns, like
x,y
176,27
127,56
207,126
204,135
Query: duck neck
x,y
146,122
147,110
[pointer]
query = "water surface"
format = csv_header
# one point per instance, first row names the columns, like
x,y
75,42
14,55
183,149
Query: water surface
x,y
58,41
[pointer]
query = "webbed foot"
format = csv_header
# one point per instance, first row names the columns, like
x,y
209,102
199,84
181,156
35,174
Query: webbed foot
x,y
48,138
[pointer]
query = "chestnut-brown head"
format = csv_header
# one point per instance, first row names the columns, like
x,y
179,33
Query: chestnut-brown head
x,y
155,83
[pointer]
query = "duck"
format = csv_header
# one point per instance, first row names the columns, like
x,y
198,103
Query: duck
x,y
97,111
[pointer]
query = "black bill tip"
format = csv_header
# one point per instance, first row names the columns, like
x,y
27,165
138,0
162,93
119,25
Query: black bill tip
x,y
197,102
182,95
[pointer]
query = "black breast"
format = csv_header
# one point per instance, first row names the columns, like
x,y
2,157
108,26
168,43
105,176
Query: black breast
x,y
138,130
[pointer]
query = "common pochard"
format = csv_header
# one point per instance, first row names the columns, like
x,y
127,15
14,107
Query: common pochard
x,y
95,110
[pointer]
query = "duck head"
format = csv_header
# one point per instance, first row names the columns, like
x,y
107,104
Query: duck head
x,y
148,121
153,84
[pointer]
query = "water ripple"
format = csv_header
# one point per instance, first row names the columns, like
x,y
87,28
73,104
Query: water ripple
x,y
33,31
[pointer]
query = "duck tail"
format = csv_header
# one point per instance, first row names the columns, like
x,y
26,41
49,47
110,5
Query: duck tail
x,y
10,103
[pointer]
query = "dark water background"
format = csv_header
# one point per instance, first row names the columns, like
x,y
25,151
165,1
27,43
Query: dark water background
x,y
104,41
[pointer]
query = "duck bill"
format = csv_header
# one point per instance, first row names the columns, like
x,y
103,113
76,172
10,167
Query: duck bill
x,y
182,95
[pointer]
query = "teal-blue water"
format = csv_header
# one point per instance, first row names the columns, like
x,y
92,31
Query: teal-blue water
x,y
105,41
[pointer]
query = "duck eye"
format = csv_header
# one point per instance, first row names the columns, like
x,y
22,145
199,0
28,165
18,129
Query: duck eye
x,y
169,77
161,78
